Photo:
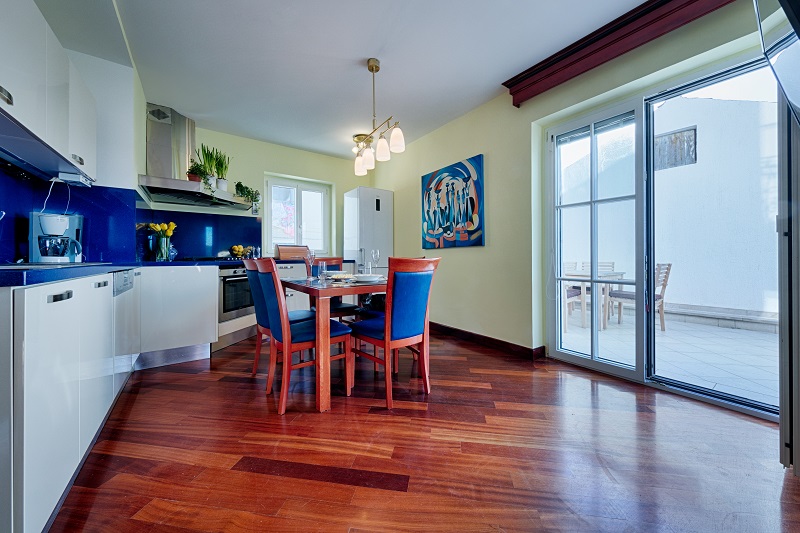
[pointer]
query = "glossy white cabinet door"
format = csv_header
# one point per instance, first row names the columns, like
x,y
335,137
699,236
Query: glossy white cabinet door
x,y
57,95
82,124
294,300
127,328
179,306
24,63
47,322
96,356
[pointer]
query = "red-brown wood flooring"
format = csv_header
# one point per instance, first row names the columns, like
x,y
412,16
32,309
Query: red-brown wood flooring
x,y
501,444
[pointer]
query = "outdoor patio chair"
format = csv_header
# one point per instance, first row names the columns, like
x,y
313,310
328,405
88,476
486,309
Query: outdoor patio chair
x,y
621,297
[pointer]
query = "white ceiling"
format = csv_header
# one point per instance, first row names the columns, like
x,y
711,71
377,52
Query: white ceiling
x,y
294,72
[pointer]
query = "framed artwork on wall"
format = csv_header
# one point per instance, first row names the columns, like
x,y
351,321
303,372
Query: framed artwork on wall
x,y
452,205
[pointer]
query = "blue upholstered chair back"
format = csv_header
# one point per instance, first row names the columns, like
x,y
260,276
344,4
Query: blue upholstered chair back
x,y
410,292
315,269
262,316
315,272
271,303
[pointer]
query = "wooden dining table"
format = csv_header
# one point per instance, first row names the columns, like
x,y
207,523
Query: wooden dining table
x,y
604,288
323,292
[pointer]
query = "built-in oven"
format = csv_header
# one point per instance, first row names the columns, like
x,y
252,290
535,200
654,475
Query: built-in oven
x,y
235,299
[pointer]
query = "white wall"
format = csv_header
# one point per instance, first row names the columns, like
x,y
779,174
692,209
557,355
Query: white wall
x,y
500,290
112,86
715,220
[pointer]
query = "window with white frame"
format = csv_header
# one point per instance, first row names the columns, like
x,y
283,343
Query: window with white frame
x,y
297,212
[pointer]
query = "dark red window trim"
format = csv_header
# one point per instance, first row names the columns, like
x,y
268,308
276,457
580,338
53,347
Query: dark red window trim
x,y
638,26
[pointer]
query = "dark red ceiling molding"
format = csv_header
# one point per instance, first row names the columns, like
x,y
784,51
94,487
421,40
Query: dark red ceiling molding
x,y
638,26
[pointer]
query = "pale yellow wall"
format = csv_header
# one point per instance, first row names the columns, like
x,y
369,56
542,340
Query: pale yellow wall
x,y
499,290
251,159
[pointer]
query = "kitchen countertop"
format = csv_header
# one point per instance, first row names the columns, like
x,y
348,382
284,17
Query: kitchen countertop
x,y
20,275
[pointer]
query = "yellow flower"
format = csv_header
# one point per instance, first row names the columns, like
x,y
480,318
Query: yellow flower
x,y
154,227
172,225
169,233
163,226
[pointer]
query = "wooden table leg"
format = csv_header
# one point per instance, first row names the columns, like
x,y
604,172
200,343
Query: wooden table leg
x,y
323,354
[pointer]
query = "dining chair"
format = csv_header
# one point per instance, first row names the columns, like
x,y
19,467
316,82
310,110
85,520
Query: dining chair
x,y
288,338
405,323
262,317
570,296
621,297
338,308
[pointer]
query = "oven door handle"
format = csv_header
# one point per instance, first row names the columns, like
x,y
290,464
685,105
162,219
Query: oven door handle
x,y
233,278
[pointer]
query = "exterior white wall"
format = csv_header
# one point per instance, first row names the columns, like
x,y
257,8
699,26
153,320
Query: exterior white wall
x,y
715,220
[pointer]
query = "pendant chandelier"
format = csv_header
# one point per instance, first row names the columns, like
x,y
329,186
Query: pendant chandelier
x,y
366,155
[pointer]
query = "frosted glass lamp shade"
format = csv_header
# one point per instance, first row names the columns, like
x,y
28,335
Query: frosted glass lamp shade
x,y
397,142
382,150
359,166
369,158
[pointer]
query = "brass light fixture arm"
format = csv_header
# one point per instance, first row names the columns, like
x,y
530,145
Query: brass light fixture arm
x,y
363,140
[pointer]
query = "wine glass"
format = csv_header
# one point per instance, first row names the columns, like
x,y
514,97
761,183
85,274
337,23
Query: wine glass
x,y
376,254
310,254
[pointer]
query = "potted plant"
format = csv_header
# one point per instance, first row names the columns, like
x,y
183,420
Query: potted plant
x,y
208,160
222,162
196,171
248,193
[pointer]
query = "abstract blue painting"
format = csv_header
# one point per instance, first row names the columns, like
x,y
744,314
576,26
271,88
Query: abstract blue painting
x,y
452,205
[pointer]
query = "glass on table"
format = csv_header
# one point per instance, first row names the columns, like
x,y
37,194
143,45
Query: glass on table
x,y
322,271
310,254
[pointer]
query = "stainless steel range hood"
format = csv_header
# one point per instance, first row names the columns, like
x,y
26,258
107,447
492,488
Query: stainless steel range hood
x,y
170,145
185,192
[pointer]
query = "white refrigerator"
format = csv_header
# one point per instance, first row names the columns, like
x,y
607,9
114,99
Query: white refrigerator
x,y
368,225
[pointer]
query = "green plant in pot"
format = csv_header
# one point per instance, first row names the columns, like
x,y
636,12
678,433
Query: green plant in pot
x,y
196,171
222,162
207,158
248,193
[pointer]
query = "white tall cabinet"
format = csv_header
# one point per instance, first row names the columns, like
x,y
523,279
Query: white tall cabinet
x,y
62,388
369,225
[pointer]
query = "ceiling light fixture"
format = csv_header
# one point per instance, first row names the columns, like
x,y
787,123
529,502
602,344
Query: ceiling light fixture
x,y
366,155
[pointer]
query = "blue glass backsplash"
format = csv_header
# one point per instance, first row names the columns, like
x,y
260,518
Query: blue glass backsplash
x,y
108,216
110,221
198,234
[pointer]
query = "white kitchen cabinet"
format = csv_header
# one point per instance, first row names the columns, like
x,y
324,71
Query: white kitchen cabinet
x,y
294,300
82,125
96,377
47,328
23,42
57,95
127,325
179,306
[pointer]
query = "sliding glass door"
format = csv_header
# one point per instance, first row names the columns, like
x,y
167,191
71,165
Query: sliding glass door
x,y
714,248
595,241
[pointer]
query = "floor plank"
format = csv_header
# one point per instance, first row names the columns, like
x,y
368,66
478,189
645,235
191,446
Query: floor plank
x,y
501,444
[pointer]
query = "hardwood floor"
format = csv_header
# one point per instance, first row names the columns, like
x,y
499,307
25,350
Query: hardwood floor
x,y
501,444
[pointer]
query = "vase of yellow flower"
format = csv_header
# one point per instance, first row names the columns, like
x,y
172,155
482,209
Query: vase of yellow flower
x,y
163,232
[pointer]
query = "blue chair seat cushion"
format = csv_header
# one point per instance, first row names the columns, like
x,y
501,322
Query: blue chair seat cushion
x,y
301,315
572,292
342,308
307,331
372,327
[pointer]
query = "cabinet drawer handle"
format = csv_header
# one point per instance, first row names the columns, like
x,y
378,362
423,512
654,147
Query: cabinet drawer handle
x,y
78,159
100,284
54,298
136,274
284,268
5,95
